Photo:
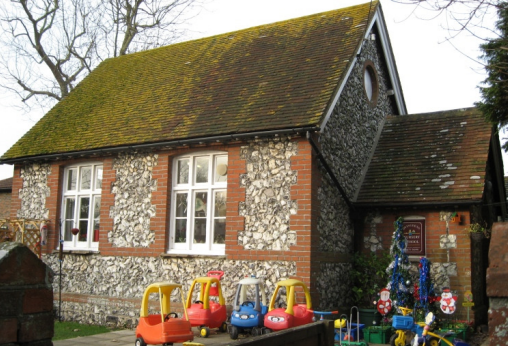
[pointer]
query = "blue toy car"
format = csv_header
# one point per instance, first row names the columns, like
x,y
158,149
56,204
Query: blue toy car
x,y
249,308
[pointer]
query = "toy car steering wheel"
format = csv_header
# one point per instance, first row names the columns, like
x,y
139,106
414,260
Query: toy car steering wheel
x,y
174,314
198,302
247,303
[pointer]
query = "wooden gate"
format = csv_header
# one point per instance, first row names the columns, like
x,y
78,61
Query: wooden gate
x,y
25,231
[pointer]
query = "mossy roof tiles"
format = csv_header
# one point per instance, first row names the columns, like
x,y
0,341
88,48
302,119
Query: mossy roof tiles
x,y
429,158
276,76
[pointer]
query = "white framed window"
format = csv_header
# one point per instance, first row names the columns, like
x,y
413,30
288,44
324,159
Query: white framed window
x,y
198,204
81,205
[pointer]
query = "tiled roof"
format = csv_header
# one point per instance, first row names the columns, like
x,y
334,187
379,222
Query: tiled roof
x,y
275,76
6,184
429,158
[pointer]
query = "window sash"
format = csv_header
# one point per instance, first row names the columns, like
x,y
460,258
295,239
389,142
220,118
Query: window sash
x,y
197,225
81,206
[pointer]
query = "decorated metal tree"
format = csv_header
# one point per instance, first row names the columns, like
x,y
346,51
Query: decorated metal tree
x,y
424,290
400,286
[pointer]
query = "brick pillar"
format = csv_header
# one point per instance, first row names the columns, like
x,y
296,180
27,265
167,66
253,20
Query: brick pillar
x,y
26,297
497,289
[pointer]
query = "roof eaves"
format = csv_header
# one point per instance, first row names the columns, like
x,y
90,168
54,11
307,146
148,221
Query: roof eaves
x,y
167,144
401,205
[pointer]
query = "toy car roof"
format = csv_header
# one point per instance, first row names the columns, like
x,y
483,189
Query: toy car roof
x,y
251,281
165,288
206,279
291,282
163,284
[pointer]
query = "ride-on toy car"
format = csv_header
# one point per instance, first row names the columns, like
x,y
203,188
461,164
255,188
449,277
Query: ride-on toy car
x,y
205,313
164,327
249,308
293,314
405,328
432,339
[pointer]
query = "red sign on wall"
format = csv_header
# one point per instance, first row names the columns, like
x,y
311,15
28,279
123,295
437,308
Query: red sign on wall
x,y
414,231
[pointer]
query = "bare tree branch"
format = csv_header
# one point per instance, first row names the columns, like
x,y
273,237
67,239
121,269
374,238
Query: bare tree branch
x,y
463,14
48,46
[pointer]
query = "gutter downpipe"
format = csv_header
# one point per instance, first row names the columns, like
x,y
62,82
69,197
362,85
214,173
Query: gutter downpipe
x,y
330,173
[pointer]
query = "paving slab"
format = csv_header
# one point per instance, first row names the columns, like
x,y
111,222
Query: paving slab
x,y
127,338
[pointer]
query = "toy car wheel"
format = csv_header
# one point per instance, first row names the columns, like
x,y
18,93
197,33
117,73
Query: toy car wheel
x,y
140,342
233,332
204,332
267,331
255,331
223,327
393,340
433,342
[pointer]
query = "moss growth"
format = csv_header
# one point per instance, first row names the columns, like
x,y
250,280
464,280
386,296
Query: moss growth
x,y
275,76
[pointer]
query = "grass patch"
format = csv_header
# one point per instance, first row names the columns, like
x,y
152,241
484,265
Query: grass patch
x,y
69,330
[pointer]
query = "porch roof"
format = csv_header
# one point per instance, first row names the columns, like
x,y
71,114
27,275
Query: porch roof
x,y
429,158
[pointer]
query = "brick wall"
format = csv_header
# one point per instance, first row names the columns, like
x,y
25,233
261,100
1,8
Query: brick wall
x,y
26,297
301,222
297,260
459,281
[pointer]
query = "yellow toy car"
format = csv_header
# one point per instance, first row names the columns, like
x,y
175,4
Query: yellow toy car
x,y
164,327
293,314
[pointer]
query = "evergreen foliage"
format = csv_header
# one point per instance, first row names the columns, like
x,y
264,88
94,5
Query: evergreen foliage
x,y
369,276
494,104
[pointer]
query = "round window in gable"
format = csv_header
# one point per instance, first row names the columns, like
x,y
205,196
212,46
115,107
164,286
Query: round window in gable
x,y
370,82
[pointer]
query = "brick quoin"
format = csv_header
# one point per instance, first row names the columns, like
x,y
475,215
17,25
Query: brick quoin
x,y
302,221
17,185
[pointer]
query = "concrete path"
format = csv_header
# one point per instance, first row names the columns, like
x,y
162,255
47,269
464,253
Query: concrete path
x,y
127,338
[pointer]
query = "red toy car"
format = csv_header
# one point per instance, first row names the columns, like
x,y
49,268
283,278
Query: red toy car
x,y
164,327
293,314
205,313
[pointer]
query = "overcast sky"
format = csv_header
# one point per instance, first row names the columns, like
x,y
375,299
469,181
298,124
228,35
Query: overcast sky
x,y
435,74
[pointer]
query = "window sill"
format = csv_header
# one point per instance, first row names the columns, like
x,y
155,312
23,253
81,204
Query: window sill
x,y
173,254
78,252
